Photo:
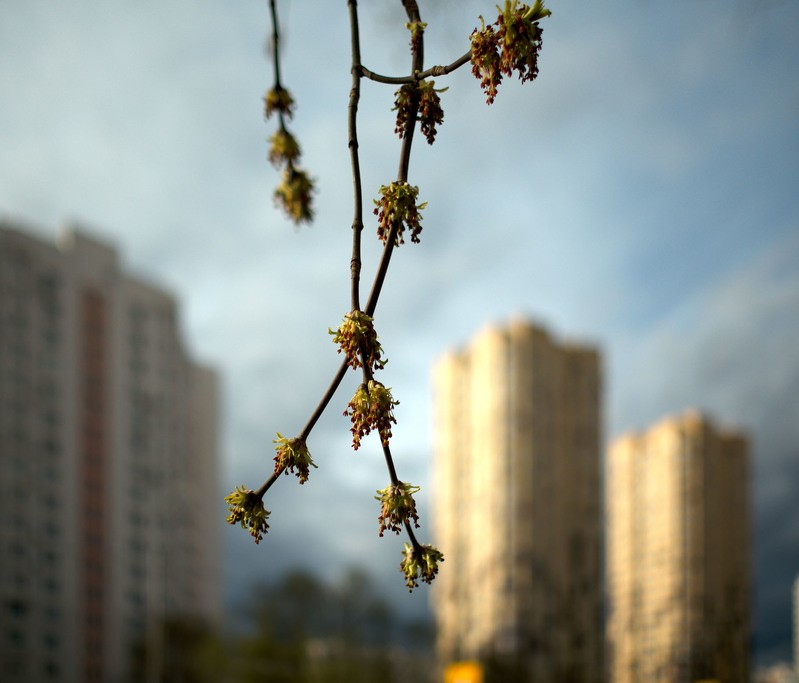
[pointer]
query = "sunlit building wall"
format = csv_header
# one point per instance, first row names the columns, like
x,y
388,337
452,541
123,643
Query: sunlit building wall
x,y
108,466
678,568
517,506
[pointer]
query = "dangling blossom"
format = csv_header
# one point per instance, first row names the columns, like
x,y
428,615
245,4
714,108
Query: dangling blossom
x,y
420,565
293,456
245,507
293,195
372,407
397,206
397,506
355,337
279,100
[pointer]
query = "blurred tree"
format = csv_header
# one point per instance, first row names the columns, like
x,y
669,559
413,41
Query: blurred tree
x,y
301,630
307,631
187,651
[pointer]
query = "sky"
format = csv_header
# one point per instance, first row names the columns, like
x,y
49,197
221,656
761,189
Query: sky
x,y
641,195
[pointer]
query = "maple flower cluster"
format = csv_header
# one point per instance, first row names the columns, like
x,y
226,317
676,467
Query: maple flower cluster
x,y
513,46
372,407
356,337
283,148
245,507
398,506
278,100
485,60
293,456
430,114
417,30
294,193
403,105
397,206
420,565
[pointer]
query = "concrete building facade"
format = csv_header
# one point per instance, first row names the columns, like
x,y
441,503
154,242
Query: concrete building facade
x,y
678,569
517,508
108,466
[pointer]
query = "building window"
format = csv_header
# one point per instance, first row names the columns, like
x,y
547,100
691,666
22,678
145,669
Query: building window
x,y
17,608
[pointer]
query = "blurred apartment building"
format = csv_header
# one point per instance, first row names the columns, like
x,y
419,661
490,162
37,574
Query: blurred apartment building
x,y
678,567
108,466
517,513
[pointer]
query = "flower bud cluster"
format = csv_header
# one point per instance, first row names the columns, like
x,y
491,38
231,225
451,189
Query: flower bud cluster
x,y
372,407
403,105
398,506
293,455
430,113
520,38
397,206
245,507
294,192
283,148
355,337
279,100
513,46
417,30
420,565
485,60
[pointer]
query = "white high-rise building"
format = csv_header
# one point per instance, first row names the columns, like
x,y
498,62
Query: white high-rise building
x,y
678,544
108,466
517,507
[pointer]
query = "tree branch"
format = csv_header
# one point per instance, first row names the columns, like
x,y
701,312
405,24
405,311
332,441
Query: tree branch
x,y
261,492
418,75
331,390
276,58
357,220
275,43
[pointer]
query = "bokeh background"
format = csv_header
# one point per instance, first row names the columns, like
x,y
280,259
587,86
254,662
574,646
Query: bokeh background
x,y
641,195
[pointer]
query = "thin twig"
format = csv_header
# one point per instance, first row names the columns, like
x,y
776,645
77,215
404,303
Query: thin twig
x,y
417,62
265,487
275,43
331,390
392,472
414,542
276,58
357,220
417,75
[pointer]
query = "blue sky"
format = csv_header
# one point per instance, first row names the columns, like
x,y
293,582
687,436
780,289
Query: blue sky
x,y
642,195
